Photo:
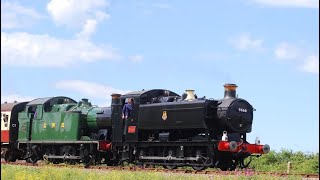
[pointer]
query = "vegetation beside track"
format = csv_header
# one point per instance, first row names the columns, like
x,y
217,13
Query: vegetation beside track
x,y
278,162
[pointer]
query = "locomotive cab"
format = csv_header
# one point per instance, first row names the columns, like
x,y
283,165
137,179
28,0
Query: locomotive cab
x,y
129,128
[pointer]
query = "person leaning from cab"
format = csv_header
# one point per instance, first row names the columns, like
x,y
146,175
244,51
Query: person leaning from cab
x,y
127,109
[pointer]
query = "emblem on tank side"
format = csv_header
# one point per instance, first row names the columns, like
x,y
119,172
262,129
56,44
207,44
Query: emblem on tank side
x,y
164,115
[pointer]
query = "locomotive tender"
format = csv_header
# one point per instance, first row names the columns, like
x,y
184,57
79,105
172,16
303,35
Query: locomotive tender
x,y
164,129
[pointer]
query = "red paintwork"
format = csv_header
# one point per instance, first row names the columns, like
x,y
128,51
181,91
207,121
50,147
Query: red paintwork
x,y
244,147
105,145
131,129
4,136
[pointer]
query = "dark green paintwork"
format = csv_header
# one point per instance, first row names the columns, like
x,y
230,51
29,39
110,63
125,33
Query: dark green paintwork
x,y
62,122
55,125
23,126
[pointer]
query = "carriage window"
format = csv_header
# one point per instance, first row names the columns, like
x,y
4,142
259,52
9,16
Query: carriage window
x,y
5,119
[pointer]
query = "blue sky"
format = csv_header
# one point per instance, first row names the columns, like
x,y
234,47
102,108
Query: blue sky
x,y
90,49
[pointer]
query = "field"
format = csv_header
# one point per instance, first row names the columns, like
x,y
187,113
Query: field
x,y
33,173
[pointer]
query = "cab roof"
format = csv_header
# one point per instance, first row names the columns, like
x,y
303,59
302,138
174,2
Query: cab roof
x,y
148,93
46,99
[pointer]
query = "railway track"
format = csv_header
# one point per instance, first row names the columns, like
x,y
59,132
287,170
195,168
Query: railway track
x,y
247,172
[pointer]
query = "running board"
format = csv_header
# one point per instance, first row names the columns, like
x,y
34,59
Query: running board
x,y
175,164
170,158
61,157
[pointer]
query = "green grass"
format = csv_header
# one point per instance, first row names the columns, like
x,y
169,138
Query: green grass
x,y
47,173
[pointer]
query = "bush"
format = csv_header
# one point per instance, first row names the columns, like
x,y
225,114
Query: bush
x,y
277,162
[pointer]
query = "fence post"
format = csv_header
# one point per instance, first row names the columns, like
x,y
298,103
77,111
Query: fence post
x,y
288,167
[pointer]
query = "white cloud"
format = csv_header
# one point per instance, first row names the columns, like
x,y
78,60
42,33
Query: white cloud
x,y
23,49
13,15
245,42
311,64
88,29
89,89
136,58
15,97
289,3
79,13
286,51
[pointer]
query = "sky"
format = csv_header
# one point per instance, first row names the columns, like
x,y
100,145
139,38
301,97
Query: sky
x,y
91,49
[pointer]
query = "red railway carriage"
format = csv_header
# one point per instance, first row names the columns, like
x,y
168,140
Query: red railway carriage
x,y
9,126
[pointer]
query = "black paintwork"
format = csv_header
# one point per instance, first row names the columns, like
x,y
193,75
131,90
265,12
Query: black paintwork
x,y
232,119
104,118
156,113
14,123
179,115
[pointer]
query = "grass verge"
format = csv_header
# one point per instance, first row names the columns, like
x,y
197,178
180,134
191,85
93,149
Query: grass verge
x,y
9,172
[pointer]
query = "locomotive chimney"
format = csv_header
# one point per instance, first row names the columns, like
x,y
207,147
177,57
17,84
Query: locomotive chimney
x,y
85,101
190,95
115,108
115,99
230,91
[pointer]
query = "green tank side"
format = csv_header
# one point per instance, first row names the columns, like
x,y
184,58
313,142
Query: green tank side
x,y
57,126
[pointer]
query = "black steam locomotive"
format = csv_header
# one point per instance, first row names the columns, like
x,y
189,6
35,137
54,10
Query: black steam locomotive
x,y
170,130
164,129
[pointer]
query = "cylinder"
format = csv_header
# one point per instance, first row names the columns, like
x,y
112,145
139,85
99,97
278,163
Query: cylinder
x,y
230,91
